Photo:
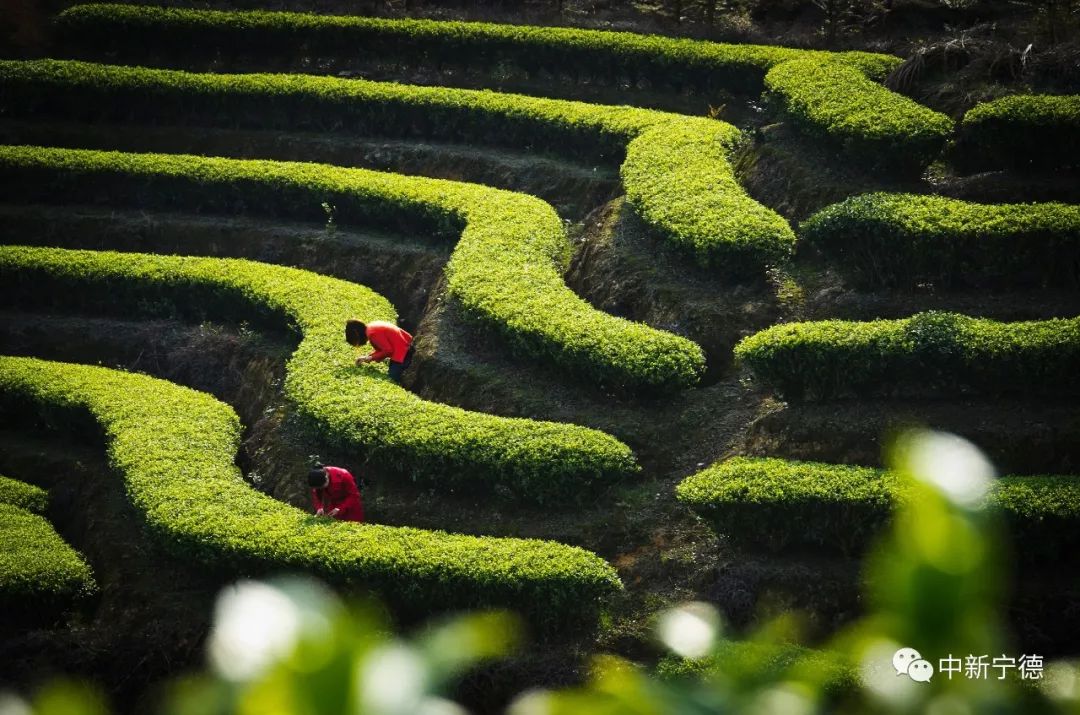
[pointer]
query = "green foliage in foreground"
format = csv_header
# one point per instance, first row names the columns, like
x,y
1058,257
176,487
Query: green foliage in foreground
x,y
933,582
1039,131
876,127
142,34
505,271
37,567
354,408
676,174
928,353
776,504
758,662
906,239
175,449
23,495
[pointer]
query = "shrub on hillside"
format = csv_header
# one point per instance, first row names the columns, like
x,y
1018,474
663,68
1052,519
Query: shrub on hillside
x,y
929,353
23,495
840,507
872,125
357,409
905,239
39,571
1024,131
676,173
142,34
175,449
505,271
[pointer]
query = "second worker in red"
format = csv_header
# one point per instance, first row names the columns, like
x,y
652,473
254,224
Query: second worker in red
x,y
389,341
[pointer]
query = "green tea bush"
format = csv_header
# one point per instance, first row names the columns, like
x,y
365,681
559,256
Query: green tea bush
x,y
354,408
875,126
677,174
815,505
928,353
23,495
176,448
506,271
1026,131
905,239
677,177
140,34
863,116
38,569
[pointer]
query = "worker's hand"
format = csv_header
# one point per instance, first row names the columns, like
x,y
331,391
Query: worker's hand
x,y
335,512
363,359
319,513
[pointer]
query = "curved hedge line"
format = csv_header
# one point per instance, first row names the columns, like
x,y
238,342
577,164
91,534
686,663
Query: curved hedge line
x,y
872,124
933,352
505,270
23,495
38,569
175,449
1040,131
864,116
905,239
677,174
353,407
679,180
833,506
141,33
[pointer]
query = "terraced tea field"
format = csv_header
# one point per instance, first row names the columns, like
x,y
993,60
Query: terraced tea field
x,y
660,342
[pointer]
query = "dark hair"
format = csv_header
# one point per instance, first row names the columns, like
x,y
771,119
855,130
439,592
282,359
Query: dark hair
x,y
316,477
355,332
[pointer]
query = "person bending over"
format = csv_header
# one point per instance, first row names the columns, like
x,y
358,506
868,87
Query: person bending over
x,y
334,494
389,341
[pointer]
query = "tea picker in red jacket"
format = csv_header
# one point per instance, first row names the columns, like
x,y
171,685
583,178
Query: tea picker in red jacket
x,y
389,341
334,494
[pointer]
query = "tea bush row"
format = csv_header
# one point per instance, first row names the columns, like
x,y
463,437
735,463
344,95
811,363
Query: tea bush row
x,y
775,504
676,173
905,239
928,353
870,121
23,495
1025,131
506,271
838,103
140,34
176,448
38,569
354,408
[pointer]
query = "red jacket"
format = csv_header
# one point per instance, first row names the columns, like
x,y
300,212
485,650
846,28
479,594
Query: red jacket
x,y
389,341
341,493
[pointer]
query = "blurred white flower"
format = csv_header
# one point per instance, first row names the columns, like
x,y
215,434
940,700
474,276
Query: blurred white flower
x,y
393,679
878,675
531,702
785,698
689,630
11,704
440,706
952,464
255,625
1062,681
